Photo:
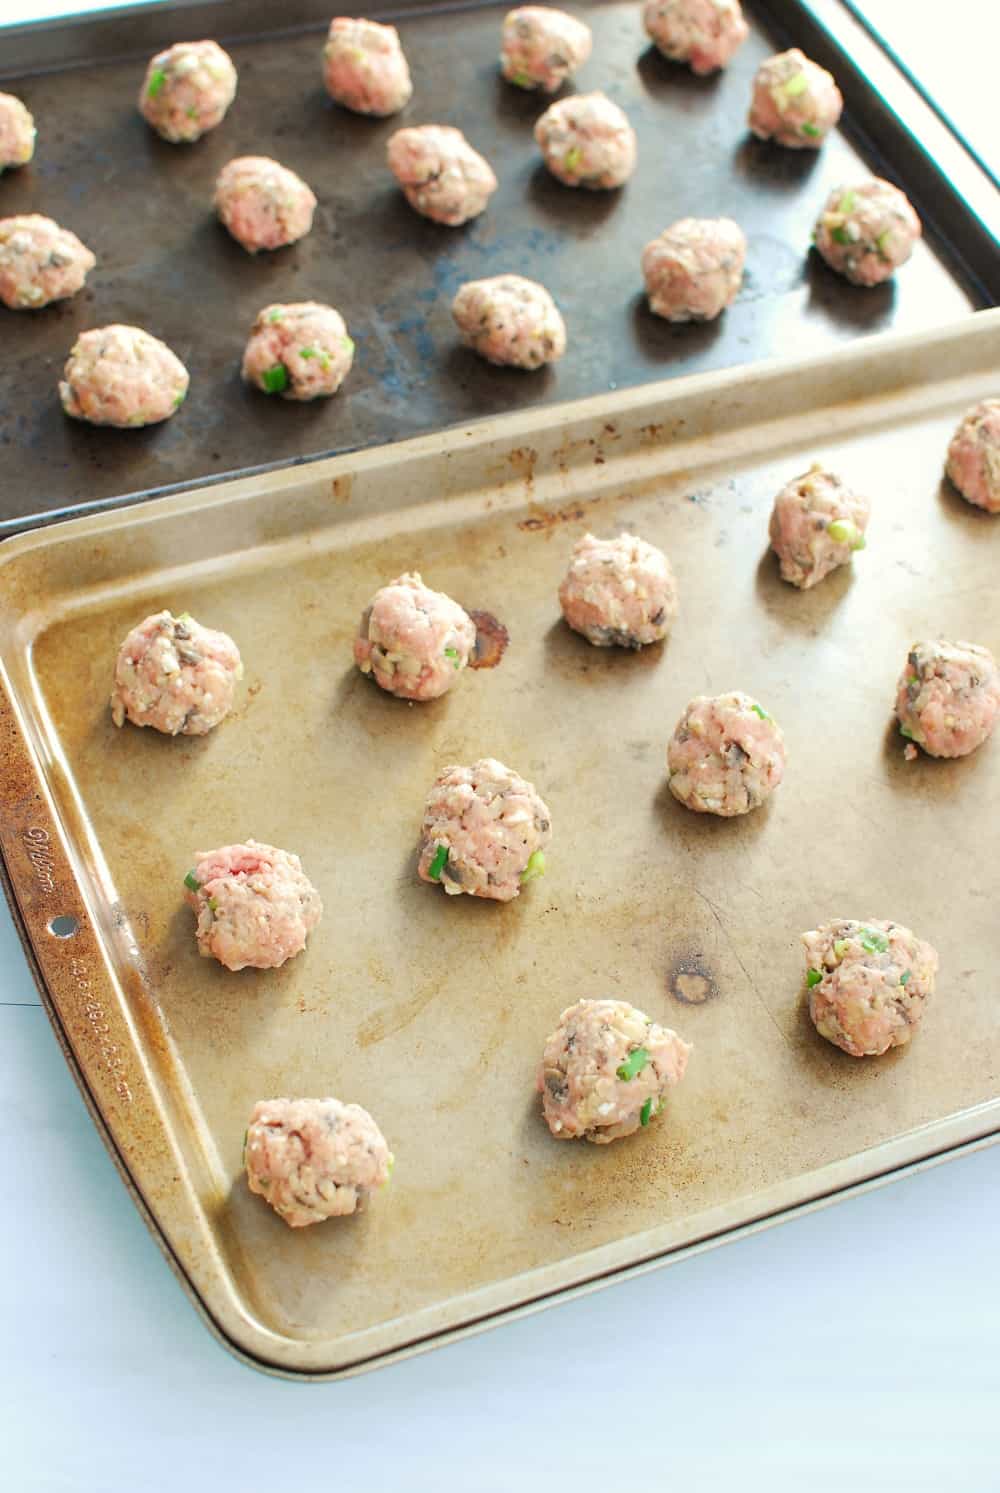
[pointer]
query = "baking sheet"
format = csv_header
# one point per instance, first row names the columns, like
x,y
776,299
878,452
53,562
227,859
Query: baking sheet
x,y
432,1011
164,262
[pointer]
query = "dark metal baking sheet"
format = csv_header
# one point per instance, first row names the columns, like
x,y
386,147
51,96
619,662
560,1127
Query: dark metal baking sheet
x,y
145,208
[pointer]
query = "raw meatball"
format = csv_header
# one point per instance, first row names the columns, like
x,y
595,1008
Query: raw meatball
x,y
726,755
17,133
866,232
974,456
948,697
587,142
510,320
175,675
606,1070
816,524
542,47
694,270
868,984
442,177
314,1158
484,832
254,904
300,350
703,33
263,204
122,376
187,90
364,67
795,101
413,641
619,592
40,262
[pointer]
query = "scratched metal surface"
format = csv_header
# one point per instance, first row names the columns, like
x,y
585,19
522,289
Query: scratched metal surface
x,y
433,1011
144,207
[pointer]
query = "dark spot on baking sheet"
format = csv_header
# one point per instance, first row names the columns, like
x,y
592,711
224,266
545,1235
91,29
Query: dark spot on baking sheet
x,y
491,640
544,519
691,981
342,488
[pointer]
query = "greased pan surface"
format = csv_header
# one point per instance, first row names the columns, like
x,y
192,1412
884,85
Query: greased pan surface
x,y
145,207
432,1011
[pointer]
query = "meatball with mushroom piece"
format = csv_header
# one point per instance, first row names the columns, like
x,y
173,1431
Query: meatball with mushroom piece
x,y
175,675
510,321
867,231
263,204
413,641
726,755
255,905
694,270
868,984
484,832
619,592
795,101
706,34
442,177
365,68
187,90
40,262
17,133
817,523
122,376
300,351
542,47
314,1159
974,456
948,697
605,1071
587,141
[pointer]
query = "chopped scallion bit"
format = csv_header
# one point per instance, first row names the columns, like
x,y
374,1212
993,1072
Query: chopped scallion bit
x,y
842,531
213,903
275,380
191,882
348,346
454,655
307,352
759,710
905,731
795,85
275,315
389,1166
521,80
179,399
156,82
646,1113
840,235
535,866
438,864
813,977
881,242
184,617
873,942
847,203
905,976
841,947
572,158
633,1065
811,130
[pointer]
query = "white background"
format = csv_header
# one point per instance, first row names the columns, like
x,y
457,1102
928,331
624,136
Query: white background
x,y
854,1350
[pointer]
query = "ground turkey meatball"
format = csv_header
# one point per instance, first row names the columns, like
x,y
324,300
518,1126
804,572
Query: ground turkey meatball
x,y
484,832
606,1070
619,592
40,262
442,177
866,232
300,351
122,376
795,101
542,47
413,641
694,270
726,755
364,67
175,675
510,321
703,33
587,141
264,205
314,1158
948,697
974,456
17,133
868,984
187,90
255,907
816,524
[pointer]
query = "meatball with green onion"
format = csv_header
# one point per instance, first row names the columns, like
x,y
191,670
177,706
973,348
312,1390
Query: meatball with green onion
x,y
726,756
17,133
254,904
817,524
40,262
705,34
414,642
510,321
795,102
974,456
948,697
542,47
175,675
187,90
122,376
866,231
263,204
300,350
485,832
868,984
314,1159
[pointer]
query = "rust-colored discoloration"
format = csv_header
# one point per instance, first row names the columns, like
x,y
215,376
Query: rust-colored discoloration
x,y
341,488
492,639
691,981
544,520
523,460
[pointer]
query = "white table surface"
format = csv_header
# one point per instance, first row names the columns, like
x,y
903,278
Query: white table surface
x,y
855,1349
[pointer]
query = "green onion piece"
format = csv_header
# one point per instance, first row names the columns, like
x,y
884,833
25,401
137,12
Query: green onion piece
x,y
841,947
873,942
390,1165
156,82
842,531
880,242
841,236
535,866
759,710
633,1065
521,79
348,346
572,158
848,202
191,882
213,903
645,1114
307,352
905,731
796,85
184,617
179,399
246,1136
275,379
905,976
454,655
813,978
811,130
438,864
276,316
191,113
